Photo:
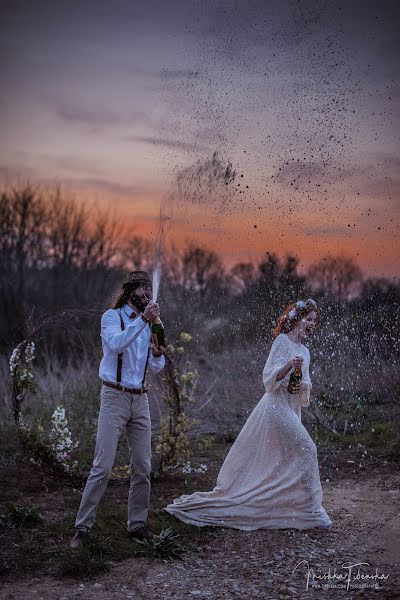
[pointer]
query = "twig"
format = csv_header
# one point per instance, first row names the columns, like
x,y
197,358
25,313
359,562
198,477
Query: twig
x,y
211,398
322,420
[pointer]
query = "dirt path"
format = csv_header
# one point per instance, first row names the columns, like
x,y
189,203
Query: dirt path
x,y
234,564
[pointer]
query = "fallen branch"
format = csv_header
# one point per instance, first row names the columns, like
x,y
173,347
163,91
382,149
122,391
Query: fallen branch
x,y
322,419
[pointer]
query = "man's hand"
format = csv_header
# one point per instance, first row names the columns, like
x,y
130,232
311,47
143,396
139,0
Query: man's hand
x,y
151,311
157,351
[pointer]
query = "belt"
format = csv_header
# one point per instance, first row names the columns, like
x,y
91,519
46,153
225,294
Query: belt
x,y
122,388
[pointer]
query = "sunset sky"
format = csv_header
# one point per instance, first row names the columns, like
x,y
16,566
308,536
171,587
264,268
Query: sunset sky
x,y
115,99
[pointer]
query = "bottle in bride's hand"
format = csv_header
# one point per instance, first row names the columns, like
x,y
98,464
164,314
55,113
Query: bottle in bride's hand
x,y
295,377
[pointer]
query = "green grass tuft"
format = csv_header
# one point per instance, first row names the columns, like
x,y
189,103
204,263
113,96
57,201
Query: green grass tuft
x,y
21,516
164,545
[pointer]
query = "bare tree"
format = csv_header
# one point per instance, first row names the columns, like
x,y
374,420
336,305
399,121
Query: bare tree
x,y
201,269
338,276
54,252
138,253
243,275
22,232
270,269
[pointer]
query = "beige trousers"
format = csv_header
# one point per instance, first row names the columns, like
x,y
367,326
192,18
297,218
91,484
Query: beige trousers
x,y
119,411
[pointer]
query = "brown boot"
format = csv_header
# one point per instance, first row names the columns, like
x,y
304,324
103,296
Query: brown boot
x,y
142,534
79,540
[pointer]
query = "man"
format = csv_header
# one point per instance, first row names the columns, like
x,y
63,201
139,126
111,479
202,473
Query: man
x,y
127,350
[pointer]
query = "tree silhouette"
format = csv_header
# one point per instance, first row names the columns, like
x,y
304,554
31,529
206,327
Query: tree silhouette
x,y
338,276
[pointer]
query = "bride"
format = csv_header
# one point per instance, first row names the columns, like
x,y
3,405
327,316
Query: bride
x,y
270,477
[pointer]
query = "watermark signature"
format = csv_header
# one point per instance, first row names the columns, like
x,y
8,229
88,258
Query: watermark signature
x,y
350,575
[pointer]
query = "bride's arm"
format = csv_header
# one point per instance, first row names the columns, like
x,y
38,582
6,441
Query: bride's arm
x,y
284,370
277,366
307,380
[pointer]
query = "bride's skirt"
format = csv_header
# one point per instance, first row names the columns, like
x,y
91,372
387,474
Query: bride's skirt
x,y
269,479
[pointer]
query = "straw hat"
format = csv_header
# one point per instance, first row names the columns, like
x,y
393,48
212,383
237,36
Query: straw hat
x,y
136,278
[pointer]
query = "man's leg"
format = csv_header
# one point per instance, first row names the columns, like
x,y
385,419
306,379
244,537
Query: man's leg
x,y
113,416
138,433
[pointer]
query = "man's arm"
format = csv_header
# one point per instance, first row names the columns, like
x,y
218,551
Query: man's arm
x,y
156,358
111,332
156,363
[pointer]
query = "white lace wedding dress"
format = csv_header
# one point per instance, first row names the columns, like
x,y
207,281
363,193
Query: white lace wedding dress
x,y
270,477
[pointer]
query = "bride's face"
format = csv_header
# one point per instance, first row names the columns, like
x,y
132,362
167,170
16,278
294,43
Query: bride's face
x,y
306,326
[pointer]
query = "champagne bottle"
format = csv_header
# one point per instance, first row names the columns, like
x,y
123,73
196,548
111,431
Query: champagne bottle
x,y
294,378
157,333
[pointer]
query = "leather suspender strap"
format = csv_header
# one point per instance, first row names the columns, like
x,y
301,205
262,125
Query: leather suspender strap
x,y
119,363
145,369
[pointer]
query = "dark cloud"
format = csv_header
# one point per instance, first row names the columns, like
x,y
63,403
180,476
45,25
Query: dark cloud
x,y
72,164
382,190
290,173
15,173
377,176
390,160
166,142
103,185
98,116
168,74
87,116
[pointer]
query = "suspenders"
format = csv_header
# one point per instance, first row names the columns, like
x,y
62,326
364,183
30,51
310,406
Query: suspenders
x,y
119,362
145,368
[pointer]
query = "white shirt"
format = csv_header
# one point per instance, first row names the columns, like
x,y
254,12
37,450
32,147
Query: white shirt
x,y
133,342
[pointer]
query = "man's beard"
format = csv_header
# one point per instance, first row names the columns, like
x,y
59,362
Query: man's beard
x,y
138,303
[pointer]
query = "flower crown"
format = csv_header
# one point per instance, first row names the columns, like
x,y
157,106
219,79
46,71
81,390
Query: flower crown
x,y
300,307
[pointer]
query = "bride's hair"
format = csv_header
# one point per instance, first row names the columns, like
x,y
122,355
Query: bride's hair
x,y
292,315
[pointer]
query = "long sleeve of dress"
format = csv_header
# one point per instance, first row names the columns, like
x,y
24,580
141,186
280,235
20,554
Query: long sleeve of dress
x,y
307,380
277,358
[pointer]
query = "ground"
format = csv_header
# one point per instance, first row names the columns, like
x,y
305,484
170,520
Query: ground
x,y
361,496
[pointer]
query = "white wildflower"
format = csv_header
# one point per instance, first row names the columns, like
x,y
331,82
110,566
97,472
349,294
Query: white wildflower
x,y
15,359
187,468
61,443
30,352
